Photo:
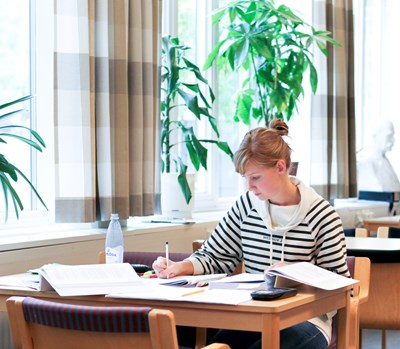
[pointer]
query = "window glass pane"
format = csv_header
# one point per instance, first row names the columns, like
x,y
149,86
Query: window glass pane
x,y
15,83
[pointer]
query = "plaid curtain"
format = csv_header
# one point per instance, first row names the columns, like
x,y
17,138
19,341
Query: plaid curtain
x,y
333,159
106,98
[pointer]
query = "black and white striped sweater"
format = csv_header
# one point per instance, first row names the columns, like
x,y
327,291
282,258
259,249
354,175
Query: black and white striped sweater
x,y
314,235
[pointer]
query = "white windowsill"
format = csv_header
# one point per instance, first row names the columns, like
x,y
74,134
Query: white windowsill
x,y
23,238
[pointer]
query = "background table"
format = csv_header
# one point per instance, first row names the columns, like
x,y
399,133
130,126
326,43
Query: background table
x,y
382,310
373,224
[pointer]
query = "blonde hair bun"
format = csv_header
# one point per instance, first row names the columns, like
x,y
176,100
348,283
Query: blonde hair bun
x,y
279,126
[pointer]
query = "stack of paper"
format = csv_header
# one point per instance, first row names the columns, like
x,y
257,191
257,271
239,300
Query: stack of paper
x,y
90,279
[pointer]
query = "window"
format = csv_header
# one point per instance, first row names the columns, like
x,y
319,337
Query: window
x,y
375,24
15,82
26,61
26,44
190,20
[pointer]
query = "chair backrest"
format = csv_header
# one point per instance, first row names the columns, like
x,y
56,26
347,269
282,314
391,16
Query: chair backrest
x,y
394,233
349,231
146,258
361,233
388,232
196,244
382,232
357,232
40,324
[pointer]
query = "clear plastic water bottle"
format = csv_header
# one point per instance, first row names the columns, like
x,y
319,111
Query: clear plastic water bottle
x,y
114,241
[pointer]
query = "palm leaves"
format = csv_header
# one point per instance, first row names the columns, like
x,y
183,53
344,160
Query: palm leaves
x,y
9,173
273,46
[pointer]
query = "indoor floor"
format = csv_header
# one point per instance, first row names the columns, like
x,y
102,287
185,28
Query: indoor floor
x,y
371,339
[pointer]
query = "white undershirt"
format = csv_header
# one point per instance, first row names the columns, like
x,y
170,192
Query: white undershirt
x,y
281,215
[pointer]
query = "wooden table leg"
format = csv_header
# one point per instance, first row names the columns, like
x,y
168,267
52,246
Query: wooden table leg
x,y
270,335
344,323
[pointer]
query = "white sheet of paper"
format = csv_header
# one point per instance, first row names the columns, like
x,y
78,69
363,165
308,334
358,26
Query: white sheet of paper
x,y
25,281
183,294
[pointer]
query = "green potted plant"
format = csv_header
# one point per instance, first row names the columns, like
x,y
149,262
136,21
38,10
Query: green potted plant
x,y
9,172
184,89
272,46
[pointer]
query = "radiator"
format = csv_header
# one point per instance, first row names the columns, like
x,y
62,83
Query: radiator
x,y
5,336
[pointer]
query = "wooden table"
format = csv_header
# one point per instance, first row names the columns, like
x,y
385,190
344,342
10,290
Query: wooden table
x,y
266,317
378,250
373,224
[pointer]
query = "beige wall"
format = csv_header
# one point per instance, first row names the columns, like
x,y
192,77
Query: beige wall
x,y
84,249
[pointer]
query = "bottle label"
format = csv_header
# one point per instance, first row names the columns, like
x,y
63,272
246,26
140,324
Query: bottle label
x,y
114,255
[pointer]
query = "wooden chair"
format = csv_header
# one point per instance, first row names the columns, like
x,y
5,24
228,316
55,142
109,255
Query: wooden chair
x,y
357,232
361,233
382,232
388,232
360,269
40,324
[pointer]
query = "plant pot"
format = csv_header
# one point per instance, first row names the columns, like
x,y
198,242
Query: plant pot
x,y
173,204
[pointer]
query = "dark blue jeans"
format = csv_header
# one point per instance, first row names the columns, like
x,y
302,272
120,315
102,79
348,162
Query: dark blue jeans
x,y
302,336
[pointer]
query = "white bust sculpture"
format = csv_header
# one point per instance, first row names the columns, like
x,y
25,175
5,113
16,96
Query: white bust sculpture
x,y
374,170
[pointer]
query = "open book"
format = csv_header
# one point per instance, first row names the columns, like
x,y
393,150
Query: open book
x,y
309,274
90,279
286,276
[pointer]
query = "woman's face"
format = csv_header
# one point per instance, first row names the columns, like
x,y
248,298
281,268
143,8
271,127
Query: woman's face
x,y
263,181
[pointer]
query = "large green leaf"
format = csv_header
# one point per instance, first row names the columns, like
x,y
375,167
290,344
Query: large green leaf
x,y
191,102
194,158
16,101
213,54
243,107
201,151
182,180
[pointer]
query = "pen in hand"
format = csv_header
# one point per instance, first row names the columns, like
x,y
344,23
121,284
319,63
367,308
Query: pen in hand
x,y
166,252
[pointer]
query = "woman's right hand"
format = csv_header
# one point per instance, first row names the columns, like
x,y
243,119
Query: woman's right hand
x,y
173,269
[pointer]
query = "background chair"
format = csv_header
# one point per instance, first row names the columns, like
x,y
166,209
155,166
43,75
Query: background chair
x,y
146,258
388,232
40,324
357,232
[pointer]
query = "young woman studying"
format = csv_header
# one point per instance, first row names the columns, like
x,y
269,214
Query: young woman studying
x,y
277,220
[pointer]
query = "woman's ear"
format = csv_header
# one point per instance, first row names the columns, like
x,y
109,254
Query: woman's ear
x,y
281,166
